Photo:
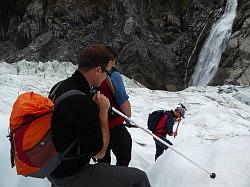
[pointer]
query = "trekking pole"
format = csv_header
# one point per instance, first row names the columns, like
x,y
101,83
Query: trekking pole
x,y
177,128
212,175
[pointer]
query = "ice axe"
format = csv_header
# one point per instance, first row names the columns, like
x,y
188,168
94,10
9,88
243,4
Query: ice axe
x,y
212,175
177,128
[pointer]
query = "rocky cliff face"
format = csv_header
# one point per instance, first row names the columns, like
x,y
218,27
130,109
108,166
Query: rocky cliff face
x,y
155,38
235,63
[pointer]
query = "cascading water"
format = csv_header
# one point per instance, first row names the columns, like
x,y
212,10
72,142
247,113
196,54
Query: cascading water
x,y
215,44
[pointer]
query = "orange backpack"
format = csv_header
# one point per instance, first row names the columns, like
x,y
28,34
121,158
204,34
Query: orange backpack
x,y
32,149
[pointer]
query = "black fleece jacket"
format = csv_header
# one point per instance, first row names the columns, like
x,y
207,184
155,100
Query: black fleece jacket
x,y
76,117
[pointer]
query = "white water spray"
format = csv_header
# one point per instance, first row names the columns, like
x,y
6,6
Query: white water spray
x,y
215,44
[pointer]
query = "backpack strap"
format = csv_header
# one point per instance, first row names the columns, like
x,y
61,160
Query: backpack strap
x,y
56,102
67,94
52,95
79,155
12,152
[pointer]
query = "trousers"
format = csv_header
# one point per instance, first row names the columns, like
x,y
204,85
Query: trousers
x,y
103,175
160,147
121,144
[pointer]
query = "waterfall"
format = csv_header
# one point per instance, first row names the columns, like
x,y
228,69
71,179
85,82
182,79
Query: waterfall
x,y
215,44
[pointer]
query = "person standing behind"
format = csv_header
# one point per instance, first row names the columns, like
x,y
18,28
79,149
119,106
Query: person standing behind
x,y
165,127
85,118
120,139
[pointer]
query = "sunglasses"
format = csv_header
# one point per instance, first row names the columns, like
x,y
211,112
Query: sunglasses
x,y
106,71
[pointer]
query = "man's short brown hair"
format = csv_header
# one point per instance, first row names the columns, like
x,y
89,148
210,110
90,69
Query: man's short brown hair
x,y
94,55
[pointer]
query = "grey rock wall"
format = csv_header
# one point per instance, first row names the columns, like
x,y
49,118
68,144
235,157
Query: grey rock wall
x,y
155,38
235,63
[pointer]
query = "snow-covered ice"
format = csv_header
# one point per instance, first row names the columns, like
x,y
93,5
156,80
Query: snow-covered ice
x,y
215,134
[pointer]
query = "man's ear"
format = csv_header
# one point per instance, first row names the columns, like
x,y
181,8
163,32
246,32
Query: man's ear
x,y
97,70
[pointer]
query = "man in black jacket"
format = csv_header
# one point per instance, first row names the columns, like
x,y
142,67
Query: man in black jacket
x,y
85,118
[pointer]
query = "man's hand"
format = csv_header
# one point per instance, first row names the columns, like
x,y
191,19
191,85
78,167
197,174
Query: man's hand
x,y
100,155
178,120
102,101
173,134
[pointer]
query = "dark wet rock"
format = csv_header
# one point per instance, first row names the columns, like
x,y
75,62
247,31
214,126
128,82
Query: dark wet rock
x,y
155,38
234,67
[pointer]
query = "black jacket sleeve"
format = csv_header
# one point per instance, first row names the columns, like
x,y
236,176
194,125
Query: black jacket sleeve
x,y
170,123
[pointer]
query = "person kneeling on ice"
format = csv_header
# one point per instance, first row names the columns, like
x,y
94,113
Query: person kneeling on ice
x,y
161,123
